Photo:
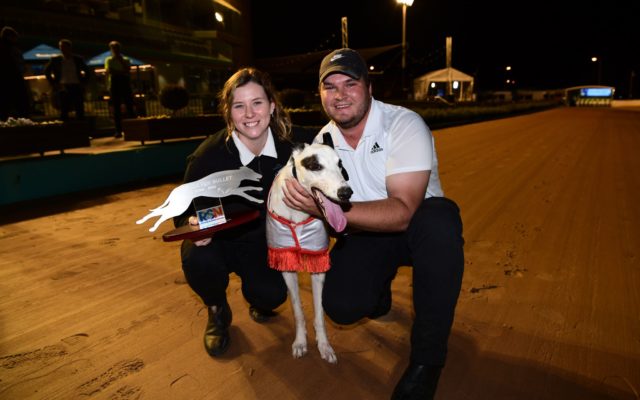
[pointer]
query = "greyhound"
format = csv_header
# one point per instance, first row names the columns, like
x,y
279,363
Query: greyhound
x,y
299,242
217,184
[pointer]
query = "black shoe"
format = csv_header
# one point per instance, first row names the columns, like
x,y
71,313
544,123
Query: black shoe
x,y
117,135
417,382
260,315
216,335
384,304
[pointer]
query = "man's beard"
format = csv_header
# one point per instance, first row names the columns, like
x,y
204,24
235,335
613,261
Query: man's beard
x,y
357,117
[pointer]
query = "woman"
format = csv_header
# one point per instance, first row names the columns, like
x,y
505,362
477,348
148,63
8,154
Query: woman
x,y
258,135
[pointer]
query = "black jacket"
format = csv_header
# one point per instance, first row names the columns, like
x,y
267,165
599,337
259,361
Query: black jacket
x,y
53,70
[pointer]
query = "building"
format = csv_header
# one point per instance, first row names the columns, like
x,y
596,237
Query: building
x,y
194,43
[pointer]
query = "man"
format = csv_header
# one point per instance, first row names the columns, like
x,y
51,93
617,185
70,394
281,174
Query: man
x,y
398,217
117,68
67,75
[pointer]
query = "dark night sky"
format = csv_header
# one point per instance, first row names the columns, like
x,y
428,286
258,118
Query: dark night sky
x,y
547,44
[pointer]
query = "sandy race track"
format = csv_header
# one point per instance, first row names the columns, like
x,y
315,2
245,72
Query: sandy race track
x,y
95,307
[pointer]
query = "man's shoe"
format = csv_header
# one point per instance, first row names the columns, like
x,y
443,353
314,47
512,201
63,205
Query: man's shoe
x,y
417,382
216,335
384,304
260,315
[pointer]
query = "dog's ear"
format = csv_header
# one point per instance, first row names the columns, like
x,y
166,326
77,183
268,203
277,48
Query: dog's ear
x,y
326,139
345,175
293,167
299,146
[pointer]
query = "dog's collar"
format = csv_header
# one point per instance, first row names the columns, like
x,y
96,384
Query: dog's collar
x,y
290,223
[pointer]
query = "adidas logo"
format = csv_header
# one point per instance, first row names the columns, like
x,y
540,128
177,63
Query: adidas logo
x,y
376,148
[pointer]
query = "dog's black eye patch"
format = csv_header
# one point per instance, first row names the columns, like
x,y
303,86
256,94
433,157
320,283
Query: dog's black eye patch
x,y
311,163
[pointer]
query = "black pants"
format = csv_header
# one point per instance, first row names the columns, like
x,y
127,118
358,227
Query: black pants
x,y
363,265
207,270
71,97
121,94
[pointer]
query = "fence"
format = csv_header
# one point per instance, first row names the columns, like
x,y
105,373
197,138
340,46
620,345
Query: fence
x,y
143,107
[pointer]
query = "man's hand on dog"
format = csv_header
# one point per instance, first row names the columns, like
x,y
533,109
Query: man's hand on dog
x,y
193,220
297,197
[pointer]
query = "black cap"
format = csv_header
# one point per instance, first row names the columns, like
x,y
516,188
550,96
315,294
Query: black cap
x,y
344,61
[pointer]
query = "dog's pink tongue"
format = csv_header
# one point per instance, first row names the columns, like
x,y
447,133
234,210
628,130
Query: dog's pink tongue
x,y
333,212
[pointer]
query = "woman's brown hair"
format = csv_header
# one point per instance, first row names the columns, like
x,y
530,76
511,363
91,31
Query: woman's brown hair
x,y
280,123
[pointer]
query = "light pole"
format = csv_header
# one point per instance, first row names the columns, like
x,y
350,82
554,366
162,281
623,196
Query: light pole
x,y
599,68
404,3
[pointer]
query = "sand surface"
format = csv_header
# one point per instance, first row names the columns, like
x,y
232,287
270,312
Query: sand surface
x,y
93,306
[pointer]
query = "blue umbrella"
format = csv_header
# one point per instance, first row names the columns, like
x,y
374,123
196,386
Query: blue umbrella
x,y
98,61
41,52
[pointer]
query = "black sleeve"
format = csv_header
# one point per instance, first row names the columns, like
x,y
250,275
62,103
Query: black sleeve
x,y
211,156
183,219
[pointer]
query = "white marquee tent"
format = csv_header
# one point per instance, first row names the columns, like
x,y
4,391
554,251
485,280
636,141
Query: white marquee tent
x,y
446,81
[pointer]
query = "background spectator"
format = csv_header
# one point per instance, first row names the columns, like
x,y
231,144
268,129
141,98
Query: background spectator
x,y
14,93
67,75
117,69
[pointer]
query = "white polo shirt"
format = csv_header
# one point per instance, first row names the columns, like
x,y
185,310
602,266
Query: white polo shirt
x,y
395,140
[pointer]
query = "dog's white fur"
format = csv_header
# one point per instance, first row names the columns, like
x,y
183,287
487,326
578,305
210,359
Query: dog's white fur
x,y
217,184
329,180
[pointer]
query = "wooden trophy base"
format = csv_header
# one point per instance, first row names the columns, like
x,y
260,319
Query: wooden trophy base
x,y
193,232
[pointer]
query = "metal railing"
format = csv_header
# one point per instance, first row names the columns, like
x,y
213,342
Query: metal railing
x,y
143,107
